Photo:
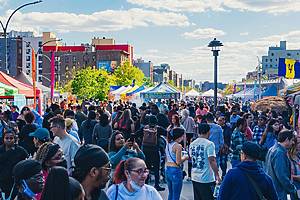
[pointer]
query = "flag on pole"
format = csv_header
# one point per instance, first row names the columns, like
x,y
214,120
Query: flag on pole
x,y
289,68
33,72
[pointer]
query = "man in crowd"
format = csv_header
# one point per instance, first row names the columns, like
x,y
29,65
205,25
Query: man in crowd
x,y
40,136
216,135
278,165
238,183
259,129
79,116
92,170
204,165
227,132
67,142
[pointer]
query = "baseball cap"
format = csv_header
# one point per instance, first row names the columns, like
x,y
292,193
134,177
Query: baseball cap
x,y
41,134
25,169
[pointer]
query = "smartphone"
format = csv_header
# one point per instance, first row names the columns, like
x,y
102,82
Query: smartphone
x,y
132,138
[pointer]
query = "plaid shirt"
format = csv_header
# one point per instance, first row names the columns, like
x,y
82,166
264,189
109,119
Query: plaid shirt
x,y
237,141
257,133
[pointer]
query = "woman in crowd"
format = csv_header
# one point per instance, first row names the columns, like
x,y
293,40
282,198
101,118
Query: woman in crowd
x,y
248,132
87,127
24,139
21,118
294,156
70,130
130,177
102,132
238,138
49,155
269,137
59,186
125,123
10,155
119,149
174,161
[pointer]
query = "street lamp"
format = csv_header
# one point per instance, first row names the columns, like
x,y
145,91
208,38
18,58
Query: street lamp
x,y
215,44
6,26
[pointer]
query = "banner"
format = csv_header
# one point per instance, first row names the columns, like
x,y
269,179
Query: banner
x,y
289,68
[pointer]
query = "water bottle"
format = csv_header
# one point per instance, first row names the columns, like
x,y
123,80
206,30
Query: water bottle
x,y
216,191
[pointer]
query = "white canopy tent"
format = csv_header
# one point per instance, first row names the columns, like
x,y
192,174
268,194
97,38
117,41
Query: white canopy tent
x,y
192,93
210,93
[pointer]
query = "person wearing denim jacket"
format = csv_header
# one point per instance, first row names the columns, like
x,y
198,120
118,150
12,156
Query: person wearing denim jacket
x,y
174,159
278,165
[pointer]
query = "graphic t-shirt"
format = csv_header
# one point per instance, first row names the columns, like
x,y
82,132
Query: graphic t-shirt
x,y
200,150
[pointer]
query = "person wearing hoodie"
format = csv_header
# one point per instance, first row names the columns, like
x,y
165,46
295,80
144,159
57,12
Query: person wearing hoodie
x,y
245,175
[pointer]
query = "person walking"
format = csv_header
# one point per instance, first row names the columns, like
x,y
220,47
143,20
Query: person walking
x,y
174,161
67,142
278,165
252,182
204,165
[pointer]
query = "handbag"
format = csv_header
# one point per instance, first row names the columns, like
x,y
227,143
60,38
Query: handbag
x,y
258,191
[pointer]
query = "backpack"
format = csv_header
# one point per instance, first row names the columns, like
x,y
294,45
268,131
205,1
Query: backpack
x,y
150,136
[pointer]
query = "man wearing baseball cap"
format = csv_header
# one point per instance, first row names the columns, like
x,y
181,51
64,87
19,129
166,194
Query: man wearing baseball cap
x,y
40,136
247,180
92,170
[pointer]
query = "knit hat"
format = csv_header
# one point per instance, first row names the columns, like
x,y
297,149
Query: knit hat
x,y
251,149
25,169
89,156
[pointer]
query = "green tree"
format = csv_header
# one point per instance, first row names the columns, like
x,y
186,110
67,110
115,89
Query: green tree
x,y
91,83
126,73
147,82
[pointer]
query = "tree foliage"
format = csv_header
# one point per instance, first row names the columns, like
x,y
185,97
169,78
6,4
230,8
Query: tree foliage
x,y
126,73
94,83
91,83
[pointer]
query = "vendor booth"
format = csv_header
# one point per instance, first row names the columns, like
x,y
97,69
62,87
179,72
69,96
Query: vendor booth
x,y
23,89
161,91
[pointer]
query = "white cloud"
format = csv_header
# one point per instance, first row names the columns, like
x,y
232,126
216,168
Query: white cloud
x,y
203,33
244,33
235,59
270,6
108,20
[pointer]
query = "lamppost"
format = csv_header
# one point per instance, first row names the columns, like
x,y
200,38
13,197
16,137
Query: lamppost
x,y
6,26
215,44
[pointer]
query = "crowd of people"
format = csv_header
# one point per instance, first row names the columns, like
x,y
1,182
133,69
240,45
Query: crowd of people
x,y
116,151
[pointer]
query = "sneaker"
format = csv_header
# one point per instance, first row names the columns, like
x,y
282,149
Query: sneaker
x,y
158,188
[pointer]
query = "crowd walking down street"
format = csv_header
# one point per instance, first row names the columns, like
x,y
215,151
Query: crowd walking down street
x,y
161,150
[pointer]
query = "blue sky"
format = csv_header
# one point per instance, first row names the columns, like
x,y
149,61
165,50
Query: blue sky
x,y
171,31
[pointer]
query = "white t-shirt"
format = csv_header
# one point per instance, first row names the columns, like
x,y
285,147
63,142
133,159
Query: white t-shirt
x,y
200,150
69,146
147,192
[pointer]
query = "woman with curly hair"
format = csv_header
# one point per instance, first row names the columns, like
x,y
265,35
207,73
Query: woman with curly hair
x,y
49,155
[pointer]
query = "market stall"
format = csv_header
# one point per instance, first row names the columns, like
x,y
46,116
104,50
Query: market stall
x,y
161,91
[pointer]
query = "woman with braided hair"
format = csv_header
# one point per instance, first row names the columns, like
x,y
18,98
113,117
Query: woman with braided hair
x,y
49,155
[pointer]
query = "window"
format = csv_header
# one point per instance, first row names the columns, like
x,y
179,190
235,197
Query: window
x,y
94,58
28,51
40,43
270,66
271,60
40,65
74,58
266,60
57,58
40,71
27,58
27,44
40,79
28,65
288,54
40,58
67,60
272,54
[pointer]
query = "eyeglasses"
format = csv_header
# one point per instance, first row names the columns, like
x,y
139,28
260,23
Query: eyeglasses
x,y
9,138
107,168
140,171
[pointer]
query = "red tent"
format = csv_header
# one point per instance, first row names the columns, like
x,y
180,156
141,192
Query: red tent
x,y
23,88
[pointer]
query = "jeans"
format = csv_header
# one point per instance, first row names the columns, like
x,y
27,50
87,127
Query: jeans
x,y
223,163
174,180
